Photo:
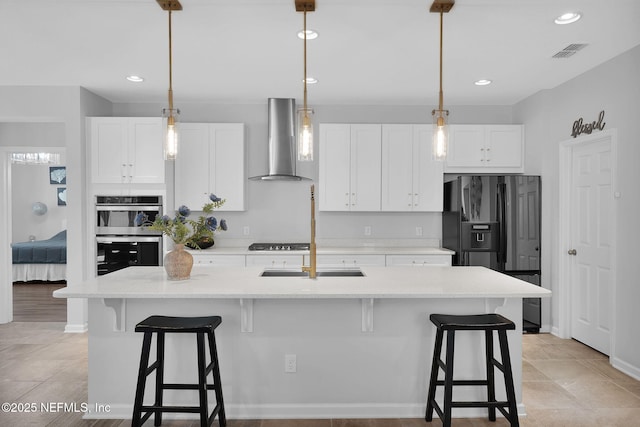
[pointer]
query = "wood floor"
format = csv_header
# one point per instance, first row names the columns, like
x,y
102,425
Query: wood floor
x,y
565,383
33,302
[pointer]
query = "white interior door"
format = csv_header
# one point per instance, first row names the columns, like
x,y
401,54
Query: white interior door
x,y
591,243
527,247
526,250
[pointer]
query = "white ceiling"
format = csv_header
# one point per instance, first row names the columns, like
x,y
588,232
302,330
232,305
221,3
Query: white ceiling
x,y
368,52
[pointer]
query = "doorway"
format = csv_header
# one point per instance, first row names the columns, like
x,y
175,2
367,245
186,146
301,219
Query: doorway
x,y
34,211
587,239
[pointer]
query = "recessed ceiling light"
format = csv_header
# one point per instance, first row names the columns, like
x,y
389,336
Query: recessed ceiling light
x,y
311,34
568,18
482,82
311,80
135,79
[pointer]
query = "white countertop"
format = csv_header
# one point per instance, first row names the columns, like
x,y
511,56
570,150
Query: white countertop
x,y
324,250
235,282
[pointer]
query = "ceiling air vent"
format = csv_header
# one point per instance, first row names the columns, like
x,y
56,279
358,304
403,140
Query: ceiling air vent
x,y
569,50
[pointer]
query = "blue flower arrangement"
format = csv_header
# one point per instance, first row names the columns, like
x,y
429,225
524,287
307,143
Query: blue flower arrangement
x,y
190,232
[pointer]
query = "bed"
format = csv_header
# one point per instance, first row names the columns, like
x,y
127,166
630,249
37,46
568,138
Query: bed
x,y
41,260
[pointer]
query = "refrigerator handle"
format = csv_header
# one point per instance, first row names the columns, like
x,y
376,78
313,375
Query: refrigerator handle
x,y
502,214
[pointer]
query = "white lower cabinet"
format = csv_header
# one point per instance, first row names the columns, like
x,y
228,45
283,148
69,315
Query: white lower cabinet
x,y
218,260
295,261
274,261
417,260
349,260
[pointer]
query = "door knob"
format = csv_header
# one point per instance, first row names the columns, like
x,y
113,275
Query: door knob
x,y
572,252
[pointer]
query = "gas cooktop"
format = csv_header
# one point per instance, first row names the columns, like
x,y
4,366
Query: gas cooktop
x,y
279,247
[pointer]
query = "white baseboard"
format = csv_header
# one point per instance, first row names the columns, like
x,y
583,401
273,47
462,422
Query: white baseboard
x,y
76,329
632,371
305,411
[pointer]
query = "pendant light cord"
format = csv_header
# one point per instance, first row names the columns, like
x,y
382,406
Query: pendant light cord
x,y
305,62
170,70
441,97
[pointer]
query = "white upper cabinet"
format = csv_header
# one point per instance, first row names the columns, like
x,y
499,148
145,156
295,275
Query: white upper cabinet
x,y
211,159
126,150
411,180
350,164
485,149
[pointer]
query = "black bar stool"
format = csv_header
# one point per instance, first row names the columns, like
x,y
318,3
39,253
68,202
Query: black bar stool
x,y
479,322
164,324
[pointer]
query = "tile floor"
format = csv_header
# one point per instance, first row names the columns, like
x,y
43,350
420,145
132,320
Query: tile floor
x,y
566,384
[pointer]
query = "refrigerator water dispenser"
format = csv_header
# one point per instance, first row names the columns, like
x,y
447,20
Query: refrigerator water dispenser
x,y
480,237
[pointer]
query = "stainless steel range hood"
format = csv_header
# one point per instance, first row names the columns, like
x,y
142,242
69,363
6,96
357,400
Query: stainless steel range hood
x,y
282,141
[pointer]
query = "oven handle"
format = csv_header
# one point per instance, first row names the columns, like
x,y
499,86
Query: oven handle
x,y
126,239
132,208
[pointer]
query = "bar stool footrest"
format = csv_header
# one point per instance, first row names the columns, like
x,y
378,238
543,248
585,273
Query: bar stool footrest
x,y
153,408
479,404
186,386
465,382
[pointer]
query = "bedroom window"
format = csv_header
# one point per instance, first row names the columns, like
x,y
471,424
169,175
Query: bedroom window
x,y
34,158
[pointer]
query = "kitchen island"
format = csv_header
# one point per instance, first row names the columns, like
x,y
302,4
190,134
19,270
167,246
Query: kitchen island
x,y
362,345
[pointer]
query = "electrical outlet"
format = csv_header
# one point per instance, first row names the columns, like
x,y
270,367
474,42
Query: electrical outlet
x,y
418,231
290,363
245,230
367,230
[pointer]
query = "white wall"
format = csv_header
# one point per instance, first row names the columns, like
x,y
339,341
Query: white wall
x,y
548,117
30,183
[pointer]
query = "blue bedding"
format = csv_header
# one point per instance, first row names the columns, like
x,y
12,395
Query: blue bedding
x,y
50,251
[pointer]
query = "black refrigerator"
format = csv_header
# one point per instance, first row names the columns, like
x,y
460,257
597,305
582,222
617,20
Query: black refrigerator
x,y
494,221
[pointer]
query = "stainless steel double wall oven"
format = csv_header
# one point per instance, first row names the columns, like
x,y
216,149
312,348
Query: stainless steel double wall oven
x,y
122,239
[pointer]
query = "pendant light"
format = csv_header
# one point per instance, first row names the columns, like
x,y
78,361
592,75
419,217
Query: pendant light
x,y
170,115
305,127
440,116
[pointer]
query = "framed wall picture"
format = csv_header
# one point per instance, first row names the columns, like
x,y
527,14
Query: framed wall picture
x,y
62,196
57,175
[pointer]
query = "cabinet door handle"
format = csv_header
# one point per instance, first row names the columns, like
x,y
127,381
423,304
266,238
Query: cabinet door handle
x,y
354,199
416,199
346,199
572,252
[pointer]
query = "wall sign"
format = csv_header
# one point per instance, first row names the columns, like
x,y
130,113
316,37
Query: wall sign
x,y
579,127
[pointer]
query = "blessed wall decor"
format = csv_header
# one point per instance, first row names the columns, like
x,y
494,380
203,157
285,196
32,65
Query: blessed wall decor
x,y
579,127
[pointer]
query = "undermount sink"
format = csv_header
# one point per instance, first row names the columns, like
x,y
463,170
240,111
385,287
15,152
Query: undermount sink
x,y
322,273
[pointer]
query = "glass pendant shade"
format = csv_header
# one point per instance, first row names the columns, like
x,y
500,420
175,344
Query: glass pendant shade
x,y
440,134
305,135
170,126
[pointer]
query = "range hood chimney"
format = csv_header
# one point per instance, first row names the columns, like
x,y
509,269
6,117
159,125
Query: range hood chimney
x,y
282,141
